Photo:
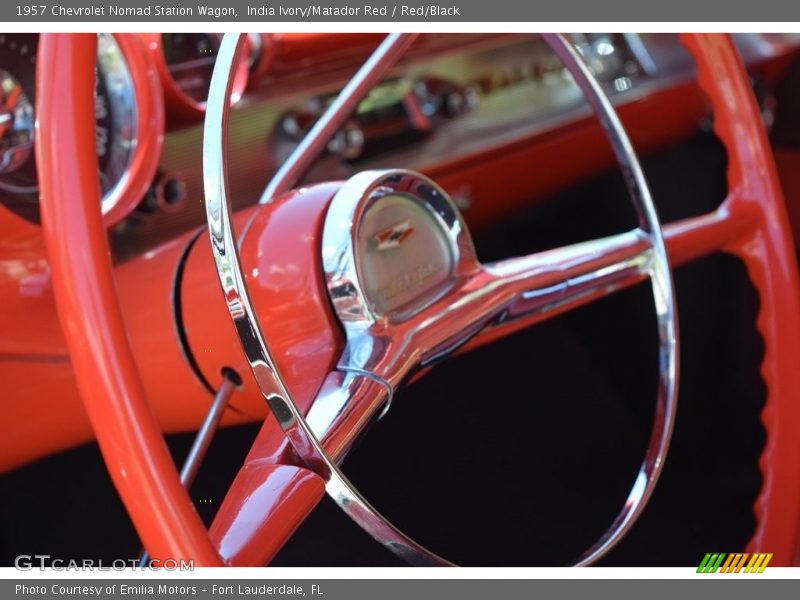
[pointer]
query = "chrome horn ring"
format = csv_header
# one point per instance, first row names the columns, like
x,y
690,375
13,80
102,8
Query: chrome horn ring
x,y
368,373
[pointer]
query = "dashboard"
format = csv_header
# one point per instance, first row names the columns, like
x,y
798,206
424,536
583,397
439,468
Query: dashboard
x,y
456,105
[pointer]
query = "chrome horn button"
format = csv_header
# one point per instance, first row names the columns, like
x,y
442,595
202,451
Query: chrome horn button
x,y
392,244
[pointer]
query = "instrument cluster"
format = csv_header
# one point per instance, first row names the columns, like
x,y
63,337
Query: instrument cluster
x,y
127,115
143,81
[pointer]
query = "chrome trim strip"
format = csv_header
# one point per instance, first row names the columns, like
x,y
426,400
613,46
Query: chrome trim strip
x,y
377,379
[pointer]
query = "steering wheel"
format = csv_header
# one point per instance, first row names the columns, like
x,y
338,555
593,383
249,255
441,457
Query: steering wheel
x,y
395,326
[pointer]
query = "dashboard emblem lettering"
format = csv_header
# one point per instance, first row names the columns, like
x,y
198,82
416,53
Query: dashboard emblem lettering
x,y
409,279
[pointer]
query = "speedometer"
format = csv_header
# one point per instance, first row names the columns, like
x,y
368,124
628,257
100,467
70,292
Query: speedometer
x,y
128,123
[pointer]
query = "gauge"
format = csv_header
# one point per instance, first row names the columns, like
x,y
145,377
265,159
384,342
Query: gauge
x,y
17,72
16,120
190,59
129,122
185,63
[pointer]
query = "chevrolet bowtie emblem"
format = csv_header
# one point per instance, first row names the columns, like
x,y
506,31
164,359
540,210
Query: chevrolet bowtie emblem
x,y
393,236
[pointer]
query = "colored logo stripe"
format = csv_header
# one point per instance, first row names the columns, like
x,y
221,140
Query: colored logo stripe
x,y
710,563
734,563
758,563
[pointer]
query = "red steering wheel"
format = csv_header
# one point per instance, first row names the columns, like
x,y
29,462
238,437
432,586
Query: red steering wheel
x,y
271,495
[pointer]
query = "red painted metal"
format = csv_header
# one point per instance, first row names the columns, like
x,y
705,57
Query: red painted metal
x,y
136,455
150,319
34,361
271,502
769,253
32,348
31,329
281,254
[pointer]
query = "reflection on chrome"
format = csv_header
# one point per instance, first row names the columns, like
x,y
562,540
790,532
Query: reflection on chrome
x,y
262,363
387,340
16,124
116,114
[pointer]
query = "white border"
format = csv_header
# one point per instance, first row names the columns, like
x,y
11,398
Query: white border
x,y
289,574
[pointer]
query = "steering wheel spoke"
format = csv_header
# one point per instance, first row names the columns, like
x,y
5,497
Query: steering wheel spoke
x,y
490,296
559,279
380,356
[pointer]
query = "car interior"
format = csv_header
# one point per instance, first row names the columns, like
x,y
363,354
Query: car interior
x,y
521,447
